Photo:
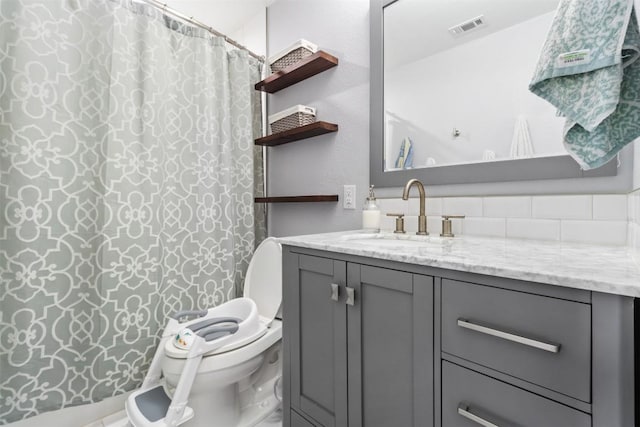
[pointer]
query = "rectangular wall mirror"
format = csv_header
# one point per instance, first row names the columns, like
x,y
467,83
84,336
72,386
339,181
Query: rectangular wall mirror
x,y
450,99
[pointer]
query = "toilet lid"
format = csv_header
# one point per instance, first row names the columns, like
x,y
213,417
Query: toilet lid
x,y
263,283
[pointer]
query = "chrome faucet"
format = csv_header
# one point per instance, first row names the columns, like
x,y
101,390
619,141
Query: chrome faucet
x,y
422,218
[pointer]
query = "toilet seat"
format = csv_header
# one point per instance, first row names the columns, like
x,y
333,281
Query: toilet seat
x,y
251,327
263,282
223,360
257,309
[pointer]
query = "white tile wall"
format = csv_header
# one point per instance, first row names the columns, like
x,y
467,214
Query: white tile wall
x,y
608,219
507,207
469,206
529,228
490,227
562,207
610,207
600,232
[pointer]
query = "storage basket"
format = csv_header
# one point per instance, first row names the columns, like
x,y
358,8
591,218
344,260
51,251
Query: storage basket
x,y
292,55
296,116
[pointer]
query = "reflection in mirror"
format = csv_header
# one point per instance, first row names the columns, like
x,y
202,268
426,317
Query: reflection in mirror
x,y
456,76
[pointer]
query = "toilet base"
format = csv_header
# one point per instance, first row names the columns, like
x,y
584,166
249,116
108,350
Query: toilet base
x,y
220,408
243,404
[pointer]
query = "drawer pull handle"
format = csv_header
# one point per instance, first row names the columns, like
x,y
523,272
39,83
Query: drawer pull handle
x,y
464,411
552,348
335,291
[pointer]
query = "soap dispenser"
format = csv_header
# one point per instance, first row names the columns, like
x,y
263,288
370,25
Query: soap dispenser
x,y
371,213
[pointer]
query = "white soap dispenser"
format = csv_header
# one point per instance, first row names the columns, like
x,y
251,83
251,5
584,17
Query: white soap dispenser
x,y
371,213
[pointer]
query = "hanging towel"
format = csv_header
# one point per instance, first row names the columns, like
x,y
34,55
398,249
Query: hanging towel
x,y
405,155
521,147
488,155
589,71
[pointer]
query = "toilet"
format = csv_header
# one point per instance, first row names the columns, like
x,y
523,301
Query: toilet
x,y
227,360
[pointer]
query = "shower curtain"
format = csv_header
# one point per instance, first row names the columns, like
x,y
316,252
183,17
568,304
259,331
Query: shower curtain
x,y
126,191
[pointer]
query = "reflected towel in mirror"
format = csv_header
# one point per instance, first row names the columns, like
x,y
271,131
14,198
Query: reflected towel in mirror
x,y
521,147
405,155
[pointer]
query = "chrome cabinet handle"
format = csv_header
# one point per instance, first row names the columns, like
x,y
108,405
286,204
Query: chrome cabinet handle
x,y
552,348
464,411
351,296
335,291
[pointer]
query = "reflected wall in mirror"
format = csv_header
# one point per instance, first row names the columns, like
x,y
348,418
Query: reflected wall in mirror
x,y
456,75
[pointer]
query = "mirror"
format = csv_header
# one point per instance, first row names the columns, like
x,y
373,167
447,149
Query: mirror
x,y
450,99
472,62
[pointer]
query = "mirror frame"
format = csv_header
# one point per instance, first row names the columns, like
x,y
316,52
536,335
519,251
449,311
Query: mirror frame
x,y
543,168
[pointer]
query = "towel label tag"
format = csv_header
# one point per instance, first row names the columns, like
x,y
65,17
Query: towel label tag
x,y
571,59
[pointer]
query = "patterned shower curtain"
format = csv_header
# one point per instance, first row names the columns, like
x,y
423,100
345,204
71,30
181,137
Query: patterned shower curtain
x,y
126,191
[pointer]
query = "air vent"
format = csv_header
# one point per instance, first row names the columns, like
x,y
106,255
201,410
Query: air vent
x,y
466,26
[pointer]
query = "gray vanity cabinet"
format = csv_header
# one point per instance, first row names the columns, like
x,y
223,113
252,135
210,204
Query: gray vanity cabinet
x,y
358,344
377,343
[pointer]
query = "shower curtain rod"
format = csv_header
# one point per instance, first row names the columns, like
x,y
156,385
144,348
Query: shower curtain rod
x,y
166,9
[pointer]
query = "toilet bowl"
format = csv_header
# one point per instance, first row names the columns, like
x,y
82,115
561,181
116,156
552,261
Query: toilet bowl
x,y
236,383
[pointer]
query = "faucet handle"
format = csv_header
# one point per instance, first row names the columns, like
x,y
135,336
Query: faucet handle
x,y
399,222
446,225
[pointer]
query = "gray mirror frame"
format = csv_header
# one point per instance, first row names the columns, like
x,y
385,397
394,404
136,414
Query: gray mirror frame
x,y
547,168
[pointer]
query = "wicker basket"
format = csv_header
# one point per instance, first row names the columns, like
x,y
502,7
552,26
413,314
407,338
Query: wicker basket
x,y
291,58
299,115
294,54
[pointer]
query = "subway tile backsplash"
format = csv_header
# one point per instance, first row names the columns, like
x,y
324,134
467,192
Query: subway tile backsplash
x,y
562,207
589,231
507,207
608,219
610,207
530,228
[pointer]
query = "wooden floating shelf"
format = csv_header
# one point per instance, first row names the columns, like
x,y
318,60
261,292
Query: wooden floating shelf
x,y
309,66
296,134
298,199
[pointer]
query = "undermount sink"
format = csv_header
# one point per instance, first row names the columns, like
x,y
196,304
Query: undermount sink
x,y
392,240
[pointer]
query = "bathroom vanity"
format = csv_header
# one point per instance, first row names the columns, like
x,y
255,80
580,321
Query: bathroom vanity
x,y
388,330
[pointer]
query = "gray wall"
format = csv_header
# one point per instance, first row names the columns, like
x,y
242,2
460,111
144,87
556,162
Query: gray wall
x,y
322,165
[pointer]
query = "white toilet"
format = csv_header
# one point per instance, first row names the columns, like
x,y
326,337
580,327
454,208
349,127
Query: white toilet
x,y
237,378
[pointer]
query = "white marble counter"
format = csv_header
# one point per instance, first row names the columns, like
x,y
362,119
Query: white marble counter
x,y
613,270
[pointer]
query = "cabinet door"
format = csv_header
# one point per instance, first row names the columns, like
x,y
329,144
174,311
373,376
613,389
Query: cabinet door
x,y
316,330
390,348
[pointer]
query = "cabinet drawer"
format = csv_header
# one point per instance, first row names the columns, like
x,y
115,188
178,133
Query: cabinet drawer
x,y
543,340
472,399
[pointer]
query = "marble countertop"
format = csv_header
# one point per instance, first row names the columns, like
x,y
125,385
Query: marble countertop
x,y
606,269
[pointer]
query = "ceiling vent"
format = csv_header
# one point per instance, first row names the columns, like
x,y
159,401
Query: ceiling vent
x,y
466,26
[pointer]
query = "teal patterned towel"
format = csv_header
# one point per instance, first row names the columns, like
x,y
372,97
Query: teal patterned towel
x,y
588,70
